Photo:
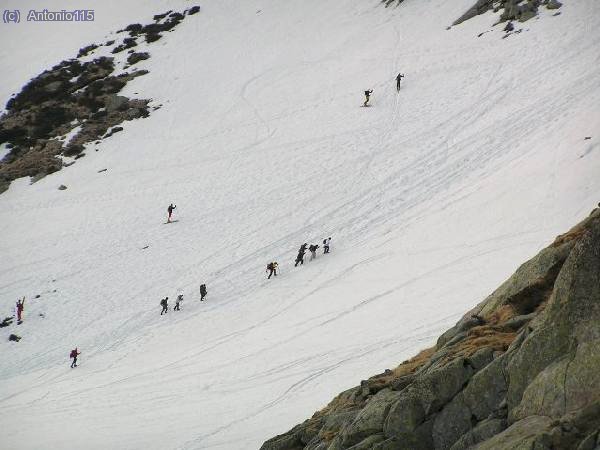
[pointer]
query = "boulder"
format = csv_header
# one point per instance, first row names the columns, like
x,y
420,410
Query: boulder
x,y
523,435
483,431
370,419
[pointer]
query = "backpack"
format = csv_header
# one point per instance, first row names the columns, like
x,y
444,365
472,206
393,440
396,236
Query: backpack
x,y
73,354
270,266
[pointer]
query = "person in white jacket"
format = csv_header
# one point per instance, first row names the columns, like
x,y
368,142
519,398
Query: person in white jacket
x,y
326,244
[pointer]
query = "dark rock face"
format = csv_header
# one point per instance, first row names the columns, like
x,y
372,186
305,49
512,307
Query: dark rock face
x,y
520,370
521,10
74,93
137,57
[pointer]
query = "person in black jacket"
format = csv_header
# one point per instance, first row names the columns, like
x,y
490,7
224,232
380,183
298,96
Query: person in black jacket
x,y
165,305
300,257
202,292
398,78
313,251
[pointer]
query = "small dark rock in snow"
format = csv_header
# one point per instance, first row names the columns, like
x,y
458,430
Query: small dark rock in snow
x,y
102,170
586,138
509,27
137,57
37,296
62,187
6,322
193,10
14,337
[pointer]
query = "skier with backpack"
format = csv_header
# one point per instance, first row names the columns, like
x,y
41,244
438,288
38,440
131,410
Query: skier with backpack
x,y
170,211
202,292
272,269
178,301
165,305
326,243
398,78
367,96
73,355
300,257
313,251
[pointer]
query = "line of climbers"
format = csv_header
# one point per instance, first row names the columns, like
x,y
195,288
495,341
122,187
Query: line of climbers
x,y
164,303
273,266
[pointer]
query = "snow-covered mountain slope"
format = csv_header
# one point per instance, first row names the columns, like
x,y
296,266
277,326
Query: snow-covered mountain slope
x,y
432,197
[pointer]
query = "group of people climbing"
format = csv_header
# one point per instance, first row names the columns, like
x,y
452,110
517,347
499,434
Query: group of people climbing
x,y
273,266
368,92
164,303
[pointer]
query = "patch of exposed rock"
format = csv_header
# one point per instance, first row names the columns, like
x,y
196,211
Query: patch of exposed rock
x,y
521,10
519,371
79,99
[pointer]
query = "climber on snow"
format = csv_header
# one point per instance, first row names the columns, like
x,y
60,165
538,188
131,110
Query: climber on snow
x,y
326,244
165,305
178,301
73,355
398,78
20,308
367,96
300,257
170,211
272,269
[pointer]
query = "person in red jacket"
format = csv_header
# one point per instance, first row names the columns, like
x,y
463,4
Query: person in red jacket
x,y
74,354
20,307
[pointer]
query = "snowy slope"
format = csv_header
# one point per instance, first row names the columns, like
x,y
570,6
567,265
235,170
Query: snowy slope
x,y
432,198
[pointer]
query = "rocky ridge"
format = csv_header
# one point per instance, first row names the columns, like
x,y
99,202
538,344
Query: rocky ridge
x,y
521,10
47,125
518,371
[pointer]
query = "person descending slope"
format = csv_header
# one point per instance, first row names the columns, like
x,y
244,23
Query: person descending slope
x,y
398,78
170,211
202,292
178,301
272,269
326,243
73,355
165,305
367,96
300,257
20,308
313,251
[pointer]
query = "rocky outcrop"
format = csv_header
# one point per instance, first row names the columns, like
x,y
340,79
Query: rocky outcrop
x,y
74,103
518,371
520,10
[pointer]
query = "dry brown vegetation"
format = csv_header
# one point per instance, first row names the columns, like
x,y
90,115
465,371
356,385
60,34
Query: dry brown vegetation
x,y
483,336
